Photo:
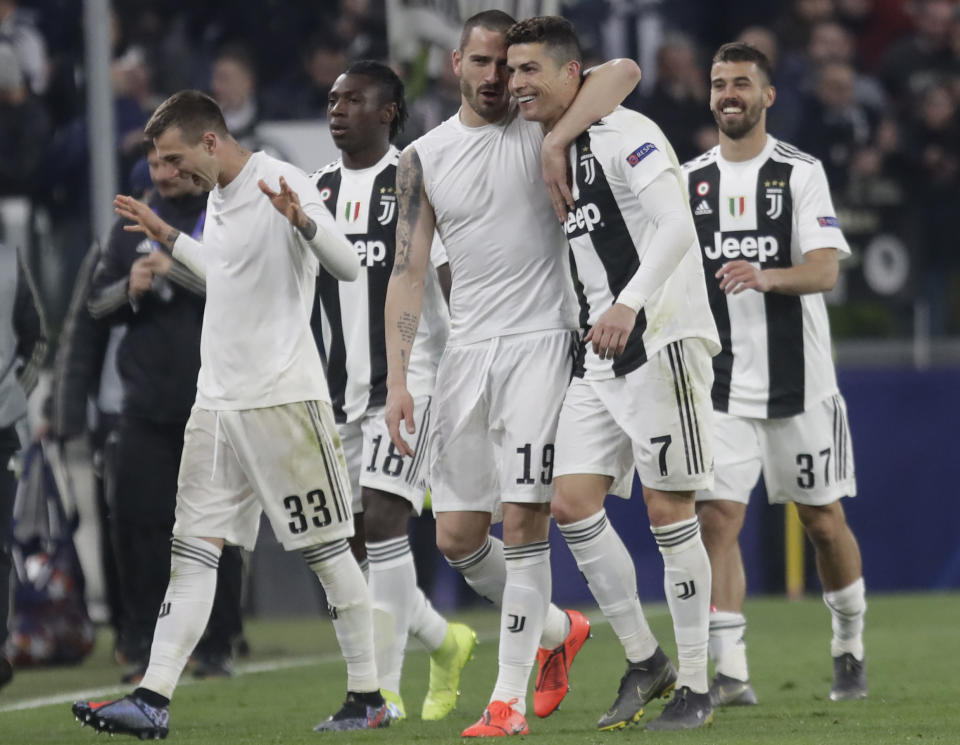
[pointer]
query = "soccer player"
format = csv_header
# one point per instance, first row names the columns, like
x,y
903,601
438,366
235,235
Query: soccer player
x,y
261,436
365,112
641,386
770,243
476,180
160,304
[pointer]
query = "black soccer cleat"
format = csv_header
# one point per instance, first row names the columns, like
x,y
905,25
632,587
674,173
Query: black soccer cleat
x,y
129,715
687,710
643,681
356,715
849,678
727,691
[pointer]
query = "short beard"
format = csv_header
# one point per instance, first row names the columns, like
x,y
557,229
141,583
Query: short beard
x,y
737,132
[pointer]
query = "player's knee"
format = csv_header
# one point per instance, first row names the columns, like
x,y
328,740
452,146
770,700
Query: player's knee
x,y
456,545
719,525
385,515
824,525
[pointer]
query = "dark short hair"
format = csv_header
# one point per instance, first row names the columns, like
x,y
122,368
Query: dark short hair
x,y
192,111
737,51
555,33
390,85
492,20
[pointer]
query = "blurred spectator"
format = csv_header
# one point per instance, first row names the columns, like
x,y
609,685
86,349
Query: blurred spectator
x,y
18,29
933,189
363,25
874,24
793,27
233,84
788,73
305,94
679,99
831,42
834,125
916,61
439,101
24,130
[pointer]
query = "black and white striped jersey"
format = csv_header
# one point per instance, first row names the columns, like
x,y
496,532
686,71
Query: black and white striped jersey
x,y
611,234
347,320
776,358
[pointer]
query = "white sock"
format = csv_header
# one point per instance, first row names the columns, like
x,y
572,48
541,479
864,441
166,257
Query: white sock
x,y
349,601
526,598
686,582
364,564
847,607
608,568
485,570
393,585
426,624
184,612
728,650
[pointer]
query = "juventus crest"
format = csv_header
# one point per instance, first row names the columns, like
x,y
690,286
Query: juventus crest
x,y
774,195
388,205
589,165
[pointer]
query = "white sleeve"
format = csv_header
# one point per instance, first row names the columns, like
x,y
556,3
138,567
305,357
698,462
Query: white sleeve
x,y
664,204
642,155
815,220
189,251
438,253
328,244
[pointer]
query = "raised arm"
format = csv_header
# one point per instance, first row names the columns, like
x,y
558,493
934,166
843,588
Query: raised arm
x,y
603,89
415,225
312,220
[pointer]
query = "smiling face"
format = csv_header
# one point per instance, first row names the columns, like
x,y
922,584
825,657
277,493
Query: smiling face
x,y
543,88
358,118
197,162
481,67
167,181
740,94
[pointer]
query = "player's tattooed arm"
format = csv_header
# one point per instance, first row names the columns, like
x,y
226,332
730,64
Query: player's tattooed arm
x,y
416,223
171,238
308,230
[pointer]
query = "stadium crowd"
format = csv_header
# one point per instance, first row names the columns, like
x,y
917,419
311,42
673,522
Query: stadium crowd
x,y
869,86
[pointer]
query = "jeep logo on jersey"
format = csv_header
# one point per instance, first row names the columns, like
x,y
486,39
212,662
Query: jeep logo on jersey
x,y
370,252
751,247
388,205
582,220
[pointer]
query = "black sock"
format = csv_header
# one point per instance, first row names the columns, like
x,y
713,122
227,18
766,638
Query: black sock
x,y
151,697
369,698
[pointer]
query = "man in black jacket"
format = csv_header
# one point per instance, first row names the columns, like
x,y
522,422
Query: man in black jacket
x,y
161,303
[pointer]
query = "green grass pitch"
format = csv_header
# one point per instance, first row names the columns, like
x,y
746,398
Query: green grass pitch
x,y
295,678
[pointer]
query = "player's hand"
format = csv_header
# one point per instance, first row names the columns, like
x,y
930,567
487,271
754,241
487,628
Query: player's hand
x,y
400,409
144,219
141,275
158,262
286,202
611,331
555,169
737,276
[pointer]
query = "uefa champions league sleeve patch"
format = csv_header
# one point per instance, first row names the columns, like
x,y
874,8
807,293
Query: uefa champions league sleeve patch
x,y
828,222
640,153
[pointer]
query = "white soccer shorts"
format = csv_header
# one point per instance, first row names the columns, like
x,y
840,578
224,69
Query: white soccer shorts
x,y
373,460
656,419
284,460
497,404
806,458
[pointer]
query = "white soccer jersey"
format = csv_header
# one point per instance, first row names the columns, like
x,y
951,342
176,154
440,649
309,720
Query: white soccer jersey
x,y
776,358
611,236
350,324
256,348
506,249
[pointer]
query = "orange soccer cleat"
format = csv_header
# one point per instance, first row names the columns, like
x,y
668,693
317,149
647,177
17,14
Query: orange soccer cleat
x,y
553,673
499,719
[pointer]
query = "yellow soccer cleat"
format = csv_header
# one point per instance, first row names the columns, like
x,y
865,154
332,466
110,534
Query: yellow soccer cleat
x,y
446,665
